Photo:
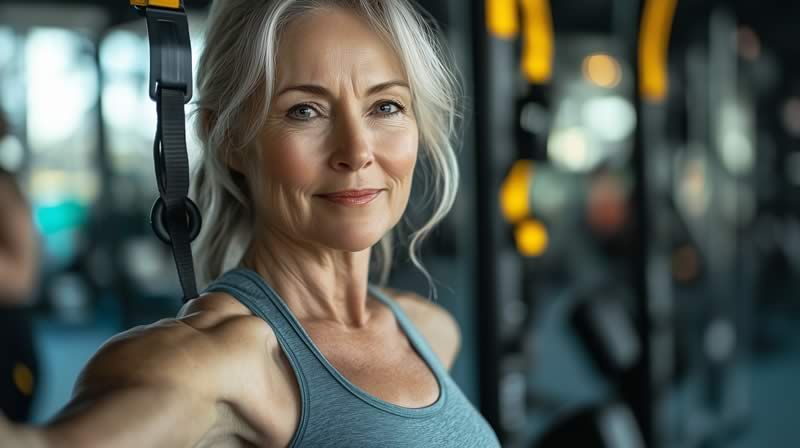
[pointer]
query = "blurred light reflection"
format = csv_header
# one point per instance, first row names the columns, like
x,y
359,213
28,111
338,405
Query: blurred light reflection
x,y
569,149
612,118
62,90
532,238
602,70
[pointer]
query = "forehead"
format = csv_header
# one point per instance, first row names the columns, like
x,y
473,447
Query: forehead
x,y
331,45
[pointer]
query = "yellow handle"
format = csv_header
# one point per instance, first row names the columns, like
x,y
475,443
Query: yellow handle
x,y
654,48
172,4
538,46
501,18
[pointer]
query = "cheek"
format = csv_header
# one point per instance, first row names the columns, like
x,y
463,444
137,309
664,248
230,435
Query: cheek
x,y
400,154
288,160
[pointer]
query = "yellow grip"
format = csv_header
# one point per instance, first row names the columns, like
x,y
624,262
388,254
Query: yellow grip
x,y
172,4
654,36
538,44
501,18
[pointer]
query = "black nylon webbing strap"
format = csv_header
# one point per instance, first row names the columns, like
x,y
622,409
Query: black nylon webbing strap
x,y
174,217
172,171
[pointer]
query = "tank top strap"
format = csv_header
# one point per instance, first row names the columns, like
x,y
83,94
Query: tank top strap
x,y
260,299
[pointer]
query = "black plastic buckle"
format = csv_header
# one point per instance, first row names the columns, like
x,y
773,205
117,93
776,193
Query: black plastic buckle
x,y
170,51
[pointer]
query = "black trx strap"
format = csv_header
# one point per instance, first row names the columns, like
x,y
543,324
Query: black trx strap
x,y
175,218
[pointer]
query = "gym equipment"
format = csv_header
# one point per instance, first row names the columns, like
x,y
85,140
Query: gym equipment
x,y
606,328
175,219
602,425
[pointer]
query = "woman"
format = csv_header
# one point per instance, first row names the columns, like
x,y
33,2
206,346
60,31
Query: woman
x,y
19,268
312,117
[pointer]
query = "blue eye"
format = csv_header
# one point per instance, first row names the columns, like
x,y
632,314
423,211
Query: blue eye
x,y
302,112
390,108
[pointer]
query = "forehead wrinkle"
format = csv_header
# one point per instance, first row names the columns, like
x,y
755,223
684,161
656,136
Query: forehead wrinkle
x,y
360,77
355,61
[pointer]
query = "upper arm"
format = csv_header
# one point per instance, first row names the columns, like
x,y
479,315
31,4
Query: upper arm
x,y
140,389
437,325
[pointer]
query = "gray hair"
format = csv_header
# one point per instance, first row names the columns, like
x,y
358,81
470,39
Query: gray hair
x,y
235,81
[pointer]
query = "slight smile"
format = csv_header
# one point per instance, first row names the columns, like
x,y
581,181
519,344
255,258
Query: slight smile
x,y
352,197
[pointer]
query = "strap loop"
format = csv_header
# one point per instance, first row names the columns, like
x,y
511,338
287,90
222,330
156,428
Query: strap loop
x,y
171,161
170,51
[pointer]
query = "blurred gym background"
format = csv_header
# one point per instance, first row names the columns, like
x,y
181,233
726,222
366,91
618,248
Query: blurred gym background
x,y
622,257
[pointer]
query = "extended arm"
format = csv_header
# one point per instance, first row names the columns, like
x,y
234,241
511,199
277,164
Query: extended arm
x,y
142,388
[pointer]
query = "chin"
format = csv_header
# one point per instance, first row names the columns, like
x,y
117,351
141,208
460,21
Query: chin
x,y
354,241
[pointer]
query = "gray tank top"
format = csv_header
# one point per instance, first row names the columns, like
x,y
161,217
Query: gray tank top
x,y
337,413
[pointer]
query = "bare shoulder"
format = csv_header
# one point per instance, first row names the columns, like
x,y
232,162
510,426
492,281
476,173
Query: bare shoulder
x,y
177,378
255,375
436,323
192,349
147,354
220,314
233,331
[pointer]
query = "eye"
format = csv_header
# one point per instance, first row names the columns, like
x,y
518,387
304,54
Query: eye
x,y
389,108
303,112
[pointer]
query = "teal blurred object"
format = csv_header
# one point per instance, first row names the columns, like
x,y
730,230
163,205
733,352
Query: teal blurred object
x,y
65,215
59,224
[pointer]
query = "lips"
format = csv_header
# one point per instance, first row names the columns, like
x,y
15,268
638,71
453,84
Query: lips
x,y
352,198
352,194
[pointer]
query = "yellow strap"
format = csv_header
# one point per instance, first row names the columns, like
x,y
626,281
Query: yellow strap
x,y
654,48
172,4
538,45
501,18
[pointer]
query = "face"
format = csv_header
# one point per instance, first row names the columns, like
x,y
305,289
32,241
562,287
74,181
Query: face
x,y
340,119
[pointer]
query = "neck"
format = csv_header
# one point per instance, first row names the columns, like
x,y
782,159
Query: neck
x,y
320,285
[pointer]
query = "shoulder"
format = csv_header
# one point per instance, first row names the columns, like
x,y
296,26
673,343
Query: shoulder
x,y
192,350
197,365
437,325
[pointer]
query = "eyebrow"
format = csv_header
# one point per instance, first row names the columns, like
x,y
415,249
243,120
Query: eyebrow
x,y
322,91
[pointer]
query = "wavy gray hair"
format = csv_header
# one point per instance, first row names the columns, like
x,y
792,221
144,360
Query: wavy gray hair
x,y
235,81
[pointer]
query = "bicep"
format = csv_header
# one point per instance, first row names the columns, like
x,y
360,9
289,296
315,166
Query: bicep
x,y
131,394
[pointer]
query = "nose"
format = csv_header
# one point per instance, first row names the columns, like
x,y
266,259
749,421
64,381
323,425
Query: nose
x,y
353,148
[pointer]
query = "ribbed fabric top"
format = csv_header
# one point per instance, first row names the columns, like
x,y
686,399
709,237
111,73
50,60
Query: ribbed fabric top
x,y
336,412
